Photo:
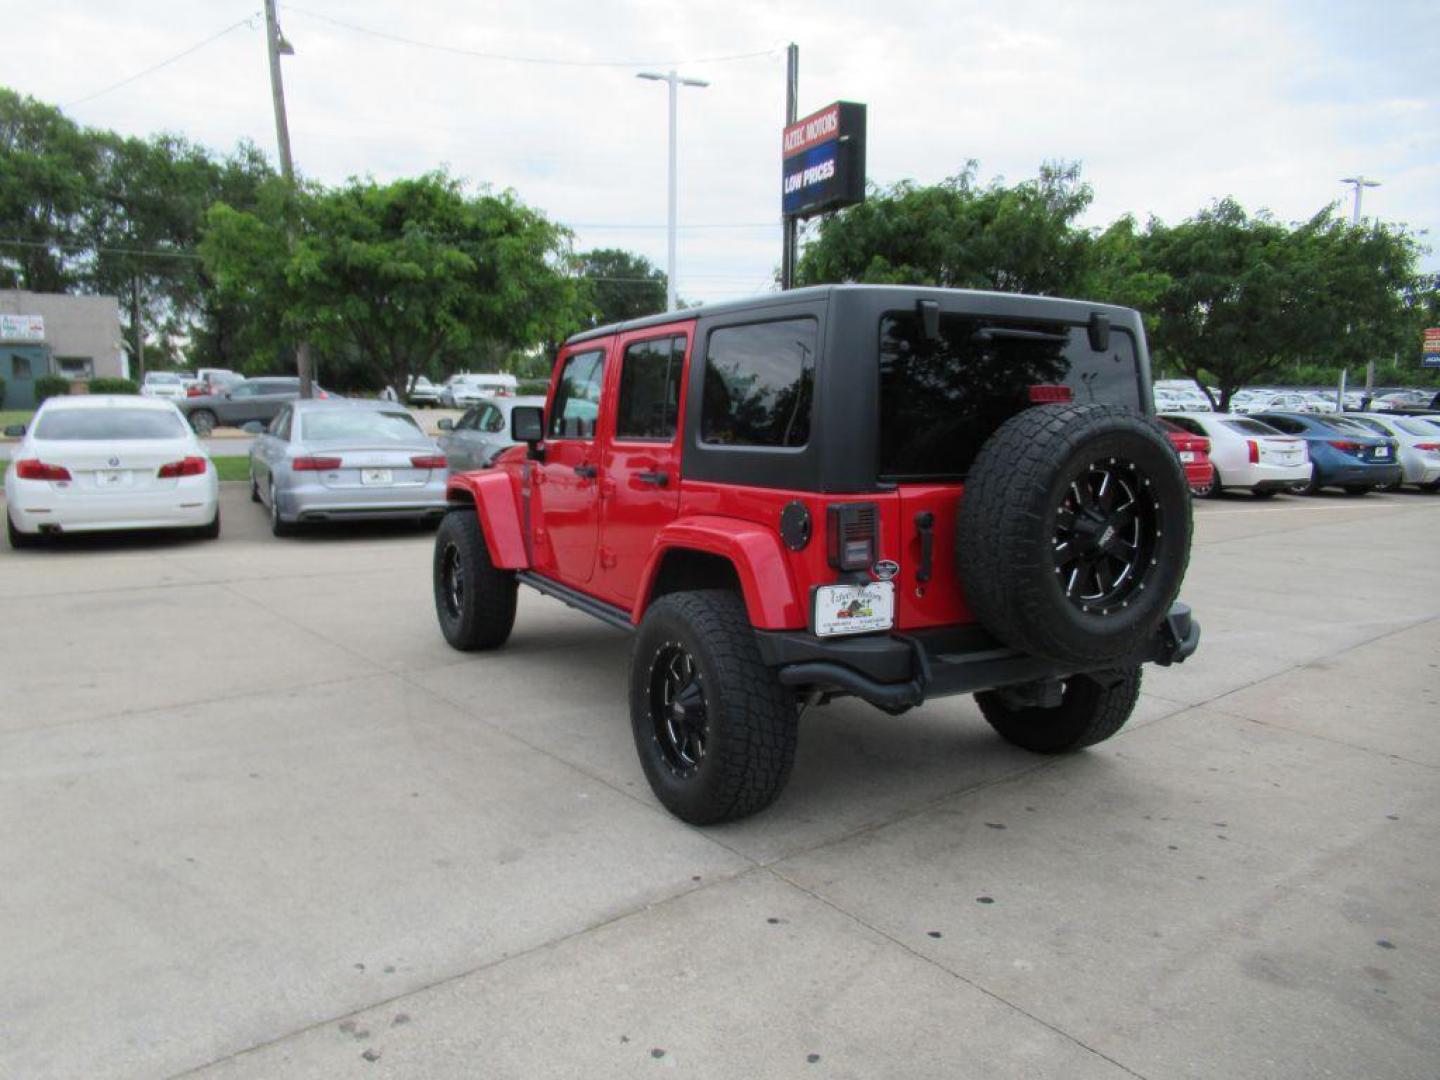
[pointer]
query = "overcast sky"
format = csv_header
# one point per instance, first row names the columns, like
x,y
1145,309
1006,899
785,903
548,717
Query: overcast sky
x,y
1167,105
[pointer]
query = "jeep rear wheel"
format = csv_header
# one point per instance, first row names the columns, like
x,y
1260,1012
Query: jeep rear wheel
x,y
714,728
1089,712
1074,532
474,601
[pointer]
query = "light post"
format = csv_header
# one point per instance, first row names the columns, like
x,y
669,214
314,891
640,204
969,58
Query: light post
x,y
1360,182
675,82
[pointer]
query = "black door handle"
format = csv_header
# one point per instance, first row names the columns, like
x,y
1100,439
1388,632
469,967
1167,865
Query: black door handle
x,y
924,524
586,472
659,479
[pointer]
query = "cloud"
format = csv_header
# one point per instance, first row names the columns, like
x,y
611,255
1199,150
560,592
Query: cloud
x,y
1168,105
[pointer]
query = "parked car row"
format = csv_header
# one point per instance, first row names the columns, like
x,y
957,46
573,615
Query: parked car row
x,y
1271,452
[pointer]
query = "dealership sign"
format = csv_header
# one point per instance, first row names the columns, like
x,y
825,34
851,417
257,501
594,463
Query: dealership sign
x,y
1430,348
22,328
823,158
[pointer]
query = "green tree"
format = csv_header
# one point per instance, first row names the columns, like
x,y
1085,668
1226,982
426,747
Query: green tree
x,y
413,276
961,235
622,285
47,175
1247,295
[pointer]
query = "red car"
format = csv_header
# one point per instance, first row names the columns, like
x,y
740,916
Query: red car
x,y
1194,451
726,484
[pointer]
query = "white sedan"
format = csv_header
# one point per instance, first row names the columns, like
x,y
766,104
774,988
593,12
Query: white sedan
x,y
1419,444
1247,453
121,461
163,384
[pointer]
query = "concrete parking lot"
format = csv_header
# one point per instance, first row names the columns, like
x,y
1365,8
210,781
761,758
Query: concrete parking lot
x,y
259,821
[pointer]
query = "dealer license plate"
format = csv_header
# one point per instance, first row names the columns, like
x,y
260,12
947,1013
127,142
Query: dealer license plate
x,y
854,609
1382,451
1187,455
376,476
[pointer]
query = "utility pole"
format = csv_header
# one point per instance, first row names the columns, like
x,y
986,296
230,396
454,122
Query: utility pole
x,y
136,326
276,46
790,226
675,81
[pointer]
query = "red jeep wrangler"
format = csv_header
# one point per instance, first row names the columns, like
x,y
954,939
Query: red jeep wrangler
x,y
888,492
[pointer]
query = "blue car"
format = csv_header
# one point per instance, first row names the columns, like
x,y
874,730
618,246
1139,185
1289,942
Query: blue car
x,y
1345,454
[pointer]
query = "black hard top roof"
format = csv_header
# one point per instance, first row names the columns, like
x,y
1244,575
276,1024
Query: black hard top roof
x,y
1053,306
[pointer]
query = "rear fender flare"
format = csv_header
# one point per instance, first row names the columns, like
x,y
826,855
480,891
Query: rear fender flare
x,y
495,501
755,553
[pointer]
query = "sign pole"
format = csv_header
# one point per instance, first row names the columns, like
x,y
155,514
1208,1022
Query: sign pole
x,y
790,224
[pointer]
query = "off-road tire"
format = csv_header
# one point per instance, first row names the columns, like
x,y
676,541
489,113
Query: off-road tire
x,y
481,614
20,540
1006,552
750,718
1089,712
203,421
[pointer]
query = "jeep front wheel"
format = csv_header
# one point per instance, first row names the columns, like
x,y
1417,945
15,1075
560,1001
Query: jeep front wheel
x,y
474,601
1091,709
714,728
1074,533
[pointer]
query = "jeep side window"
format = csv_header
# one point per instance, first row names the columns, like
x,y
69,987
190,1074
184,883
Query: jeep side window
x,y
759,384
650,389
577,398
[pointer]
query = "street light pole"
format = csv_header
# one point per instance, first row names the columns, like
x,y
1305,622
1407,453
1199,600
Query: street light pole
x,y
275,47
675,81
1360,182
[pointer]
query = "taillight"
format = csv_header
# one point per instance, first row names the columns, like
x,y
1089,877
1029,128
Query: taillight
x,y
1049,394
852,535
428,461
315,464
34,469
1346,445
190,466
1254,451
1428,447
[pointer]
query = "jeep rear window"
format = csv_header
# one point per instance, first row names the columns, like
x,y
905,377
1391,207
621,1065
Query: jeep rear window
x,y
759,384
940,400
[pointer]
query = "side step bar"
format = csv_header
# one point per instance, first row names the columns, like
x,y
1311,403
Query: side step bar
x,y
606,613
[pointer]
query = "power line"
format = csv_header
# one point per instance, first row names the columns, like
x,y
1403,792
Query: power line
x,y
152,253
545,60
249,21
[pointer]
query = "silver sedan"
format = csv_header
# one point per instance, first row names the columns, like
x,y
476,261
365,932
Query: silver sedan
x,y
484,431
345,460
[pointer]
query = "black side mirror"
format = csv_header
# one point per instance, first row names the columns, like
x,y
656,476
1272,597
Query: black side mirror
x,y
527,424
445,424
15,431
1099,331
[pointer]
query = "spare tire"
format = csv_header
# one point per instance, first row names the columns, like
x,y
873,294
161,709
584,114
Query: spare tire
x,y
1074,532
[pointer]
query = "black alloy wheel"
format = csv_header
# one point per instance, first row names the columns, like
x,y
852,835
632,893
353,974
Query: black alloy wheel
x,y
678,710
1106,531
452,581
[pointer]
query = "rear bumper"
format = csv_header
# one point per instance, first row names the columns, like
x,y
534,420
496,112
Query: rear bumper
x,y
313,501
36,506
898,671
1359,475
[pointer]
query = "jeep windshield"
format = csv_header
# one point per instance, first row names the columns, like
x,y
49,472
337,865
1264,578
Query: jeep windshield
x,y
941,399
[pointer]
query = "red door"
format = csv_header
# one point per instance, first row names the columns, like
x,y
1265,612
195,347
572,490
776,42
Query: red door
x,y
640,465
567,525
